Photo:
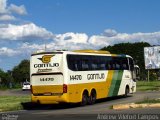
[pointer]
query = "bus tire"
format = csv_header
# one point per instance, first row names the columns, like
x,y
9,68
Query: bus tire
x,y
92,97
126,91
84,98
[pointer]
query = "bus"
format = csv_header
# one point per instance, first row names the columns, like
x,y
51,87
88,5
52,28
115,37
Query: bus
x,y
81,76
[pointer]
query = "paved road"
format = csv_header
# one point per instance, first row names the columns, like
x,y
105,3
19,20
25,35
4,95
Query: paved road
x,y
67,112
14,92
50,115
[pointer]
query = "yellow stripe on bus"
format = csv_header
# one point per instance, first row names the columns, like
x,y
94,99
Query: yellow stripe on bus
x,y
109,80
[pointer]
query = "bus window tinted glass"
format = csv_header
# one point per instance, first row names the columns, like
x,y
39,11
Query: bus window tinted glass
x,y
90,63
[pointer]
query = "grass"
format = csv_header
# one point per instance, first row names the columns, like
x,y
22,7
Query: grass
x,y
9,103
148,101
4,88
148,86
14,86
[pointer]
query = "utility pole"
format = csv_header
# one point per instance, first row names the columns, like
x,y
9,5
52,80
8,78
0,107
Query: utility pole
x,y
148,75
45,46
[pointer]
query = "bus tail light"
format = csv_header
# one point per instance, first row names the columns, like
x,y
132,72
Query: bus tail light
x,y
31,89
64,88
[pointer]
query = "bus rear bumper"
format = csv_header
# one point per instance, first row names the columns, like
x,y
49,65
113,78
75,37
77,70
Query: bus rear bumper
x,y
49,99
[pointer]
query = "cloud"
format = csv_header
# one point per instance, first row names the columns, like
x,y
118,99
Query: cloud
x,y
4,51
3,5
67,41
103,40
30,32
70,40
74,41
20,10
7,11
7,18
30,48
110,32
72,37
23,32
19,32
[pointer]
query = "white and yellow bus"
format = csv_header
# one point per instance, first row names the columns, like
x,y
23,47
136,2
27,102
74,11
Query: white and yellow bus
x,y
80,76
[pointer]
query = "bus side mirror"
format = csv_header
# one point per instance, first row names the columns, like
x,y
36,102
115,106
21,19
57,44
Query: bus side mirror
x,y
137,72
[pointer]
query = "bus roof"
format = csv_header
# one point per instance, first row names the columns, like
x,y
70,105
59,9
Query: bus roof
x,y
92,51
85,52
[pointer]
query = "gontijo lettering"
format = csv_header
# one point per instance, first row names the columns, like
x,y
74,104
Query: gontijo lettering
x,y
95,76
46,65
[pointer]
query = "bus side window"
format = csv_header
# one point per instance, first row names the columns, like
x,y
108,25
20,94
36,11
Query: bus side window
x,y
109,66
70,62
113,63
118,63
85,64
73,65
102,63
124,63
102,66
109,62
94,65
131,64
74,62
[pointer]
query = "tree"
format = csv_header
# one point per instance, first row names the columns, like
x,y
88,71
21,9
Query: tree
x,y
5,78
20,72
136,50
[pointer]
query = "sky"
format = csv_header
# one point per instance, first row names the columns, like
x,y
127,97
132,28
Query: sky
x,y
27,26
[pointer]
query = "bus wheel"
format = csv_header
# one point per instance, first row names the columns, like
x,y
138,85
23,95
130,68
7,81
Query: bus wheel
x,y
84,99
126,91
92,97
